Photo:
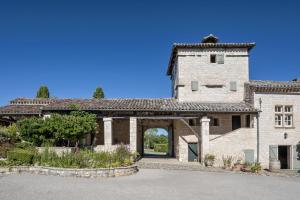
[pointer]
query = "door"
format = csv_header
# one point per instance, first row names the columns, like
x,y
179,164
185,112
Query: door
x,y
284,157
193,152
236,122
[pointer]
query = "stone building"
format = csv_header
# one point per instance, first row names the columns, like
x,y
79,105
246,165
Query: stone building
x,y
214,109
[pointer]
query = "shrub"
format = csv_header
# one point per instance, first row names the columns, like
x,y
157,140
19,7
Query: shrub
x,y
85,158
161,148
227,161
209,159
20,156
256,167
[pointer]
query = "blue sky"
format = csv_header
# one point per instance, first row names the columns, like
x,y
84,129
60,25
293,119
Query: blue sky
x,y
124,46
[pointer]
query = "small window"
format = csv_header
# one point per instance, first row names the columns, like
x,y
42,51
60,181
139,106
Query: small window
x,y
278,120
278,109
214,121
288,109
213,58
194,122
288,120
248,121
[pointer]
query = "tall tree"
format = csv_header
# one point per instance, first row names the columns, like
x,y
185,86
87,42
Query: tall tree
x,y
43,92
98,94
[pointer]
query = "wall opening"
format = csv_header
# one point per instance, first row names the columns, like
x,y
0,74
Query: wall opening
x,y
156,142
284,156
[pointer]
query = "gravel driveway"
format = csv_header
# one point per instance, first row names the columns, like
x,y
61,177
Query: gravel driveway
x,y
151,184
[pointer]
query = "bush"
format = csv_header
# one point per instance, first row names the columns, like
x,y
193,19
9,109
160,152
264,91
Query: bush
x,y
209,159
227,161
256,167
161,148
85,159
20,156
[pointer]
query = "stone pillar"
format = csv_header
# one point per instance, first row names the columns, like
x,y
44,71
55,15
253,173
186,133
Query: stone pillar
x,y
204,137
133,134
107,132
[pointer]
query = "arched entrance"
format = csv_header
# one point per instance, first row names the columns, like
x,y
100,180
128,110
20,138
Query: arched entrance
x,y
156,142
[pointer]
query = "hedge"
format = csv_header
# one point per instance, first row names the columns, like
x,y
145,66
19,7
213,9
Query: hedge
x,y
161,147
20,156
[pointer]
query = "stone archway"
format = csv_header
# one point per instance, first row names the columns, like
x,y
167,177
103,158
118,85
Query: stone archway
x,y
166,125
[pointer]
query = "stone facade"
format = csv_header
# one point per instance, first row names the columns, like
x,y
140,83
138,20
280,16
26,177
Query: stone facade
x,y
213,79
271,135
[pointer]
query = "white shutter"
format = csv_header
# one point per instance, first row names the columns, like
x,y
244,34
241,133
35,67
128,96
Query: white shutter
x,y
233,86
220,58
194,85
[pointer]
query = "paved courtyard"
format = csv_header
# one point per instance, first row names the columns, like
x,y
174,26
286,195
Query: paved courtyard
x,y
151,184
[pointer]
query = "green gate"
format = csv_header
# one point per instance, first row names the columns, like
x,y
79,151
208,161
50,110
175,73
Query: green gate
x,y
193,152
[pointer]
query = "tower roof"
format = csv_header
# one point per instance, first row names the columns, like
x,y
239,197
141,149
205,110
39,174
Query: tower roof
x,y
210,39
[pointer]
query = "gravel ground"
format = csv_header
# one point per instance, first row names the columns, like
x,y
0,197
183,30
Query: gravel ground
x,y
151,184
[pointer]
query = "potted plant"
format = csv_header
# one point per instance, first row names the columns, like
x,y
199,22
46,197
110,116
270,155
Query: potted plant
x,y
209,160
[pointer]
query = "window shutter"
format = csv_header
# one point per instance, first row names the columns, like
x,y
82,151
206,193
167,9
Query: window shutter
x,y
194,85
296,158
273,152
233,86
249,155
220,58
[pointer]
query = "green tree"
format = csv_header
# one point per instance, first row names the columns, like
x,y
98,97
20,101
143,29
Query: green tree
x,y
98,94
32,130
58,129
43,92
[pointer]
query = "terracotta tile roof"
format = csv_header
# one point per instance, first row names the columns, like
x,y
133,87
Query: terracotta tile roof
x,y
159,104
275,86
20,110
177,46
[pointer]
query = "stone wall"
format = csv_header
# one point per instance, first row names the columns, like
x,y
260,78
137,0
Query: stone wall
x,y
233,144
194,65
182,136
86,173
269,134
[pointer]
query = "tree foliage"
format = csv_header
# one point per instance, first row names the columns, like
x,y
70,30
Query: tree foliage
x,y
151,138
59,129
43,92
98,94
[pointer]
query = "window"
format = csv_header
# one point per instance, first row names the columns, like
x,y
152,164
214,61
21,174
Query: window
x,y
278,120
214,121
248,121
278,109
213,58
288,109
288,120
283,116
